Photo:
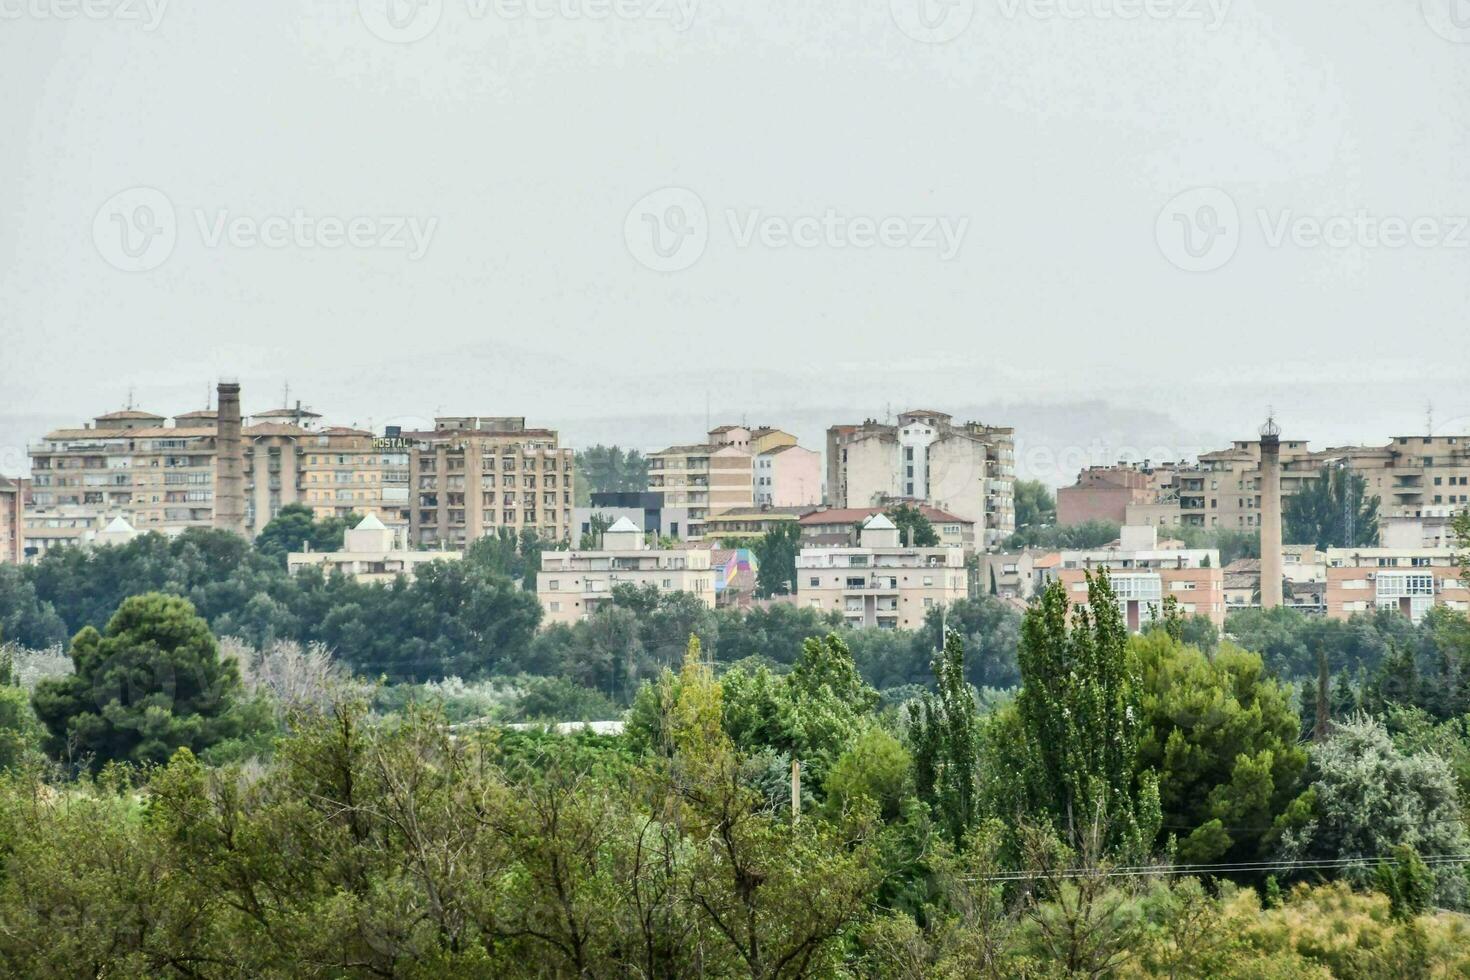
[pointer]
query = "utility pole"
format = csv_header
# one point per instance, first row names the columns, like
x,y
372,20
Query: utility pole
x,y
795,791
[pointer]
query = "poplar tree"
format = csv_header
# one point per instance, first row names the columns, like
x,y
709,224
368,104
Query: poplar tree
x,y
1080,718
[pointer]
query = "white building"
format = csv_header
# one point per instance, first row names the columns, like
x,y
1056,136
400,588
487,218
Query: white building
x,y
880,582
573,584
371,552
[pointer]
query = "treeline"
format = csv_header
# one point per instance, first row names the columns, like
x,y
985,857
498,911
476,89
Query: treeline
x,y
1137,808
463,619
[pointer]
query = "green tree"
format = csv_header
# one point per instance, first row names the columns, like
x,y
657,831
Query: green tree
x,y
295,528
1089,534
1035,505
609,469
1080,715
775,555
912,524
1318,513
1223,739
152,683
944,732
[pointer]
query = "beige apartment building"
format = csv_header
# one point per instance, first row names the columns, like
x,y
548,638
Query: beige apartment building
x,y
880,582
968,470
840,526
1409,580
705,478
471,476
573,584
160,476
1143,571
746,524
12,521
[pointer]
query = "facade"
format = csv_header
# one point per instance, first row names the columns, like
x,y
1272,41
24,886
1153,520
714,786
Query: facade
x,y
967,470
829,527
474,476
351,471
749,523
12,521
1105,493
573,584
788,476
1409,580
1143,573
705,478
370,552
1012,575
880,583
646,511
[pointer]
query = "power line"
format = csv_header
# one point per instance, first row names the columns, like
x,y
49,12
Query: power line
x,y
1310,864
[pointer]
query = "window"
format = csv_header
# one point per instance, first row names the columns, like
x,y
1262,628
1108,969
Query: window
x,y
928,579
816,582
553,585
555,607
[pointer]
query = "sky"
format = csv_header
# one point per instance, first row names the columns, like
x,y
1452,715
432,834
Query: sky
x,y
1127,227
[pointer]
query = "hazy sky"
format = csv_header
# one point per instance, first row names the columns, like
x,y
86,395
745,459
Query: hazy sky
x,y
1136,220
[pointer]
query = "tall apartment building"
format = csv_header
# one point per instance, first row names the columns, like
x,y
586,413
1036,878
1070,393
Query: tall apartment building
x,y
786,474
1143,573
471,476
705,478
12,521
161,477
880,582
1409,580
573,584
967,470
1415,477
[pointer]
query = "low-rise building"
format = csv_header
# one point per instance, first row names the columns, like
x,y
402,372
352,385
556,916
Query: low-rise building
x,y
573,584
750,523
370,552
836,527
1143,571
880,582
645,510
1409,580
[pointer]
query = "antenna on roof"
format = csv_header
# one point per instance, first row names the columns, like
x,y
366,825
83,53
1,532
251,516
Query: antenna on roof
x,y
130,398
1429,419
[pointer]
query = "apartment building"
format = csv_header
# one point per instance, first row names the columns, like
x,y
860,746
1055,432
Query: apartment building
x,y
967,470
1409,580
880,582
471,476
160,476
12,521
1143,571
835,527
749,523
370,552
646,511
573,584
1414,477
705,478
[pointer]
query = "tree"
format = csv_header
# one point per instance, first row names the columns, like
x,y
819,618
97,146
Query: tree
x,y
295,528
1089,534
1319,512
1366,797
913,525
1035,505
944,732
608,469
775,555
1080,713
152,683
1223,739
24,617
596,525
